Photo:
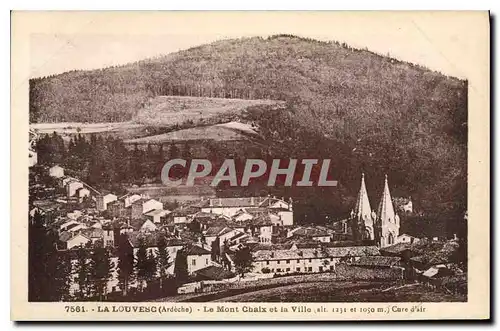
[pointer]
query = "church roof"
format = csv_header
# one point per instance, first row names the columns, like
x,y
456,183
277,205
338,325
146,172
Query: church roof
x,y
385,212
362,209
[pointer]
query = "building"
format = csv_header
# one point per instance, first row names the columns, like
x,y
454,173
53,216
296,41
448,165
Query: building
x,y
70,240
406,238
403,205
197,258
130,199
108,235
157,215
183,215
234,206
117,209
362,216
56,171
102,201
82,193
306,260
222,233
72,186
310,233
387,221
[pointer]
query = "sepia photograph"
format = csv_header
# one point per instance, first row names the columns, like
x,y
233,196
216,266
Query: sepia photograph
x,y
263,165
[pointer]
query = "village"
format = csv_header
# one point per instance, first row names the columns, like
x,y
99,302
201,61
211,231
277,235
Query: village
x,y
218,243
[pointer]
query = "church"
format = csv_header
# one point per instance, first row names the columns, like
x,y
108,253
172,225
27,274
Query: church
x,y
381,226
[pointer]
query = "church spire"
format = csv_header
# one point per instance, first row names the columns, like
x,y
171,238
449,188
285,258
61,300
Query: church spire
x,y
385,212
362,209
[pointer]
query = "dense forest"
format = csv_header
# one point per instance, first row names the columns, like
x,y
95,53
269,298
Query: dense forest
x,y
364,111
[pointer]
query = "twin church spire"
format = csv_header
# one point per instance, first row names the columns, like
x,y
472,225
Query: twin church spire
x,y
382,226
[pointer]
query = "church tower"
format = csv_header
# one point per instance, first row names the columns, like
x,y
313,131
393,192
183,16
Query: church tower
x,y
362,216
387,221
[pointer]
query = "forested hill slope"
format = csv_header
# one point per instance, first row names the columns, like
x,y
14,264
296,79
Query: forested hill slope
x,y
366,111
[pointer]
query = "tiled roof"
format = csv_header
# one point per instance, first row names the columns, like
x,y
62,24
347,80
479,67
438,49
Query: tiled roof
x,y
214,273
311,232
93,233
310,253
195,250
151,239
233,202
378,261
156,212
213,231
184,211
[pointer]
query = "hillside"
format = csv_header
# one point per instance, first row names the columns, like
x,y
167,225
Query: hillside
x,y
171,110
365,111
219,132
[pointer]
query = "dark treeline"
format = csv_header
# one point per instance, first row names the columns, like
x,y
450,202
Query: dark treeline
x,y
49,271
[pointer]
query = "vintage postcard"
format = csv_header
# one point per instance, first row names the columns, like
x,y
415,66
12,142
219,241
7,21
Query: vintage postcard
x,y
250,166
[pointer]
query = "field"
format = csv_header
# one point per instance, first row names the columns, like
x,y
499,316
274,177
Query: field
x,y
344,292
170,110
324,287
123,130
232,131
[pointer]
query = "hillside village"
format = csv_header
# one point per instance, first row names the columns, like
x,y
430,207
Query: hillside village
x,y
103,226
217,241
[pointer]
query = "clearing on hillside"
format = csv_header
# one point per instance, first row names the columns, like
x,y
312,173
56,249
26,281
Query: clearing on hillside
x,y
171,110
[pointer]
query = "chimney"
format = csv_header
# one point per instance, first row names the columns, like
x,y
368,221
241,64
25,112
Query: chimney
x,y
211,202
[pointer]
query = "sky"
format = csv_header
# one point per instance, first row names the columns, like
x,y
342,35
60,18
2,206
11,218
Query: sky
x,y
90,40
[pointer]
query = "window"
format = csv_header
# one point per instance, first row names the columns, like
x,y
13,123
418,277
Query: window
x,y
193,262
298,269
331,267
272,270
278,270
206,261
288,261
310,260
320,269
287,269
278,262
267,262
310,269
331,259
298,261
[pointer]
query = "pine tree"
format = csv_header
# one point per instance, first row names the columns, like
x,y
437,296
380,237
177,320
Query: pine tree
x,y
101,268
141,264
181,267
125,263
151,267
164,261
48,270
82,268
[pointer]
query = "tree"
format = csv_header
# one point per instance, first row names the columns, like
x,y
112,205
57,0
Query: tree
x,y
125,263
243,261
82,268
151,268
164,261
48,269
181,267
141,263
101,268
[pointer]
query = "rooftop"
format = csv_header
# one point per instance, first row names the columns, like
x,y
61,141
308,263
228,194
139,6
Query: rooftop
x,y
311,253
